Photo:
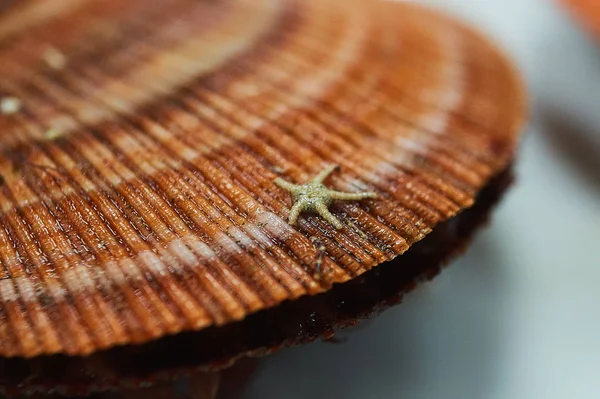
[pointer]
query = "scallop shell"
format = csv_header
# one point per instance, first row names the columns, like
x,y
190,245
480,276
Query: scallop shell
x,y
137,186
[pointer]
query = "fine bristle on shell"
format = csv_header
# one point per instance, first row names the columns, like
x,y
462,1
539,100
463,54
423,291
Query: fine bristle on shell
x,y
137,176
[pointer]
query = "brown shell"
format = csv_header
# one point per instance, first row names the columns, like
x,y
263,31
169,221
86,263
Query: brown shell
x,y
137,186
587,12
197,386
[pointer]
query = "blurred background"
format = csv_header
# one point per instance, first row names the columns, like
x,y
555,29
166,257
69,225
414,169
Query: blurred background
x,y
519,316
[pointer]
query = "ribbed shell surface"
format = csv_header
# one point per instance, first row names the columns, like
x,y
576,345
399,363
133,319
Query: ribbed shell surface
x,y
136,191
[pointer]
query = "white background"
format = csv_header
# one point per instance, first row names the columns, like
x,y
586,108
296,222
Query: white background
x,y
519,316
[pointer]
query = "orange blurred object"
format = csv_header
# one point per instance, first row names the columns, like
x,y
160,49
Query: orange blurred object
x,y
587,12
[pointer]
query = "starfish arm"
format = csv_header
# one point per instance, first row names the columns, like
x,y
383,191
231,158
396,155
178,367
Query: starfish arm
x,y
339,195
295,211
324,173
286,185
324,212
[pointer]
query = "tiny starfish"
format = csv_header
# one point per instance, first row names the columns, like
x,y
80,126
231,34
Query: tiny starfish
x,y
314,196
